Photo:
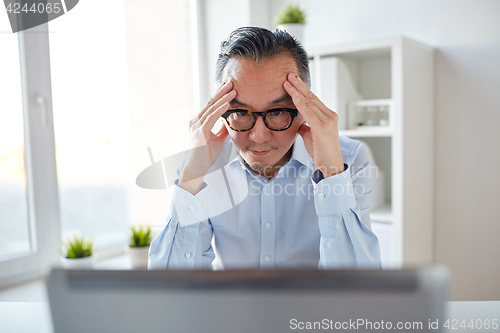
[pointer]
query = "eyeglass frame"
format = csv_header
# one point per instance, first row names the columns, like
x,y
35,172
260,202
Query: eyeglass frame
x,y
293,113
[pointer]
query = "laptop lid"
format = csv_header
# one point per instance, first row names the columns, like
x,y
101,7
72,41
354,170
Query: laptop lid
x,y
246,300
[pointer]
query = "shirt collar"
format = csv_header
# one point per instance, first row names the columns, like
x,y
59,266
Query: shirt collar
x,y
299,154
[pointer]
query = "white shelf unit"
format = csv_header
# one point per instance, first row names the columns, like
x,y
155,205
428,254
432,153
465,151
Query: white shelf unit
x,y
401,70
367,133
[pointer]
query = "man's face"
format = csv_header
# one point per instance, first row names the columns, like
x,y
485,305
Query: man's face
x,y
259,87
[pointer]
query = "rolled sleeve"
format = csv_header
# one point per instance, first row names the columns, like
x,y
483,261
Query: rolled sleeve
x,y
185,243
334,194
189,209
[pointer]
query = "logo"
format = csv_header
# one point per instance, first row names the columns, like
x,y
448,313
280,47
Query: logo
x,y
26,14
226,190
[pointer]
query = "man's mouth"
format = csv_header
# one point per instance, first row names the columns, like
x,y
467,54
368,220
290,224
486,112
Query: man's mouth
x,y
259,152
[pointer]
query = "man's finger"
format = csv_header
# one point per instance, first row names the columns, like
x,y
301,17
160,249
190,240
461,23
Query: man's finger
x,y
221,91
211,118
307,109
215,108
301,87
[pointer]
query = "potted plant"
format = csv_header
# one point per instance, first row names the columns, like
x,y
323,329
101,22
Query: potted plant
x,y
292,20
78,253
138,247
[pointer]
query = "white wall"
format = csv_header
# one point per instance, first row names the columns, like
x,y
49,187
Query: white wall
x,y
466,35
221,17
161,95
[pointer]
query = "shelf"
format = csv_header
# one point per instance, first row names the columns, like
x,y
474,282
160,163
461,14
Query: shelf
x,y
382,214
368,132
368,48
398,71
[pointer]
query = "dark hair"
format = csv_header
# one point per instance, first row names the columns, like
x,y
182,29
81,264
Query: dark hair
x,y
259,43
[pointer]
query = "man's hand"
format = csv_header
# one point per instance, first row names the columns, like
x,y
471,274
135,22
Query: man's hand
x,y
206,146
321,137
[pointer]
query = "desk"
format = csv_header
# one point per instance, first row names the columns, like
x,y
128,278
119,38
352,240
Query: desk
x,y
25,317
28,317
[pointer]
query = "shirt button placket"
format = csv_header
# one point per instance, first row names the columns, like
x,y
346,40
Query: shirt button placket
x,y
267,229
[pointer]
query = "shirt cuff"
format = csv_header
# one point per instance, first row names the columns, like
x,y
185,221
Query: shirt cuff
x,y
333,194
187,209
317,175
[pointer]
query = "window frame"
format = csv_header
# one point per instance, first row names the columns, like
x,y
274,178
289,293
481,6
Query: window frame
x,y
40,162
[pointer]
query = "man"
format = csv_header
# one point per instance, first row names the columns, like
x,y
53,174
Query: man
x,y
296,195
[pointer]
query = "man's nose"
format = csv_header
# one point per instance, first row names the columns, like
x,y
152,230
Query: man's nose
x,y
260,133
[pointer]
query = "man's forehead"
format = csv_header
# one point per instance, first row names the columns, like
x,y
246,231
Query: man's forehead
x,y
262,80
238,65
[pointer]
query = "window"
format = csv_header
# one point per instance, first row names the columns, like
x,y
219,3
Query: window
x,y
14,223
121,85
115,86
92,121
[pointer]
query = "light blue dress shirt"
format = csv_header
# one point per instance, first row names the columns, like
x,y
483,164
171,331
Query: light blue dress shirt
x,y
296,220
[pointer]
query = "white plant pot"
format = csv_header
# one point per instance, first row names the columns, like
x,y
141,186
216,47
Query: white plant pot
x,y
78,263
294,29
138,256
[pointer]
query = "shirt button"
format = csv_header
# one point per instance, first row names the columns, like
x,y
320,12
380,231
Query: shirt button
x,y
192,207
268,225
321,196
329,244
268,186
266,258
188,255
204,204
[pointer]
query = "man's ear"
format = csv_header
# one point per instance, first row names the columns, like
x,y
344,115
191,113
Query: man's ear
x,y
301,119
229,130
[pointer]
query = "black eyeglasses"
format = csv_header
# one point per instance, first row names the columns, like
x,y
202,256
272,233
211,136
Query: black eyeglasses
x,y
275,119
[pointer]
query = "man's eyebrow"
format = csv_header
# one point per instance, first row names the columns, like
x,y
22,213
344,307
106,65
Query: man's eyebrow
x,y
237,101
283,98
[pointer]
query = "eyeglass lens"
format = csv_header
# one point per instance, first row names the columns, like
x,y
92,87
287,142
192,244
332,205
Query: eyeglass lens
x,y
276,120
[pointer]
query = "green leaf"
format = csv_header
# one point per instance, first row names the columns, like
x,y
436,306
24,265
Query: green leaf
x,y
291,14
78,248
140,237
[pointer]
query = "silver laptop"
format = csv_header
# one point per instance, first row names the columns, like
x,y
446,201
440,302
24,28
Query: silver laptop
x,y
250,301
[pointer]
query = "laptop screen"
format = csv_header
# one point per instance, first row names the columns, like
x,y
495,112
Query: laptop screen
x,y
246,300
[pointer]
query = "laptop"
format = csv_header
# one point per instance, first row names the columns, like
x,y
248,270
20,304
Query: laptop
x,y
247,301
